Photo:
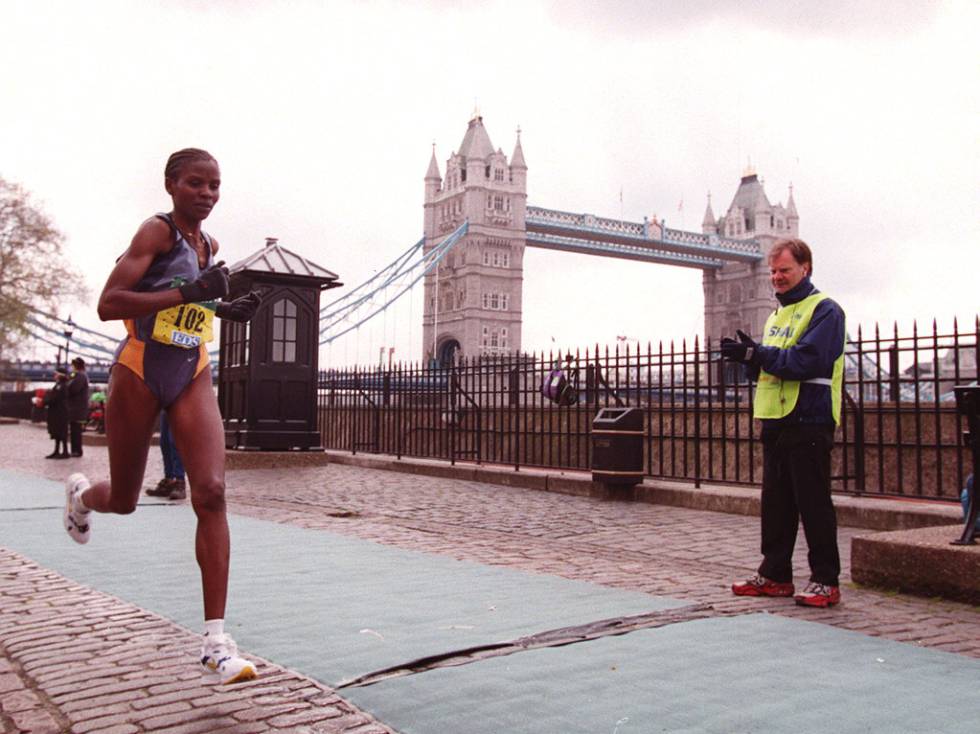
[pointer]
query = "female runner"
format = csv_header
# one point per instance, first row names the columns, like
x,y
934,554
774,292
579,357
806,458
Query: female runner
x,y
165,287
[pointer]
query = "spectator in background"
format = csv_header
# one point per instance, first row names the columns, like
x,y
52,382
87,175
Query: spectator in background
x,y
173,486
96,411
77,404
56,401
965,500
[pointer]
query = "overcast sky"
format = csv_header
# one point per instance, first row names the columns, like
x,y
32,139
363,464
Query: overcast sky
x,y
322,116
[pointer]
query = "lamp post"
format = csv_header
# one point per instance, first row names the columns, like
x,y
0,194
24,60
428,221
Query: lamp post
x,y
69,330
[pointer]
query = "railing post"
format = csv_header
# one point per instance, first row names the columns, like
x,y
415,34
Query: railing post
x,y
697,413
894,392
859,451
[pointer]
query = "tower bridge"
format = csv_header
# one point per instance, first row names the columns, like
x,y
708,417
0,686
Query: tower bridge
x,y
473,297
650,242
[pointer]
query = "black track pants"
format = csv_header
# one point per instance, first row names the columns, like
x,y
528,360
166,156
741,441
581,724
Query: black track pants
x,y
796,486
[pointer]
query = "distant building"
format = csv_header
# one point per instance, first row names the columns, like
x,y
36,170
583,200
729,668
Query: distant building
x,y
473,300
738,295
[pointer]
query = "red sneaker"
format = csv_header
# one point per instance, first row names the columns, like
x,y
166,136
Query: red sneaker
x,y
818,595
761,586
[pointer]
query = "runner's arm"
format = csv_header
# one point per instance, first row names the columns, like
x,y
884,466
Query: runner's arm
x,y
118,299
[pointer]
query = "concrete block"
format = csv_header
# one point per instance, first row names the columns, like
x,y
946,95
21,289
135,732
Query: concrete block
x,y
920,561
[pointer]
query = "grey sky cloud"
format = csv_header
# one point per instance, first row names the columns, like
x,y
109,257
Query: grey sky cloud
x,y
803,18
322,116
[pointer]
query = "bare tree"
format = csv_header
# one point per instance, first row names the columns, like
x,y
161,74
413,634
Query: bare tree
x,y
33,270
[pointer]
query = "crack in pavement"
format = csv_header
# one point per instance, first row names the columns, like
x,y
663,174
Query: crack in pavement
x,y
549,638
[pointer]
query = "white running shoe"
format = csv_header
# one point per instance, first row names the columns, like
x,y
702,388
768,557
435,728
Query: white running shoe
x,y
77,523
219,655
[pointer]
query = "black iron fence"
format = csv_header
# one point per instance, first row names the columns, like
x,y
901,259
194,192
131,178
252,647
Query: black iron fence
x,y
900,434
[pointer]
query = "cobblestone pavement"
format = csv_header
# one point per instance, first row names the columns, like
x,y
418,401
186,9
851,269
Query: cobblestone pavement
x,y
685,554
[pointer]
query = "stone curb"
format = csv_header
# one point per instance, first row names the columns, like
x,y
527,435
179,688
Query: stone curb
x,y
921,561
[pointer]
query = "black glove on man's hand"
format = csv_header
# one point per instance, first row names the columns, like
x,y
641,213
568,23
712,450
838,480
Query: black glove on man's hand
x,y
731,350
241,309
742,350
212,285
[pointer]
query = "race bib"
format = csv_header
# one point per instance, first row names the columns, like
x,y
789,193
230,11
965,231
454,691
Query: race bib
x,y
188,325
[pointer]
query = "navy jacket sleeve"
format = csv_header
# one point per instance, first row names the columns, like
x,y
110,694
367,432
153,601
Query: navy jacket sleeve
x,y
815,352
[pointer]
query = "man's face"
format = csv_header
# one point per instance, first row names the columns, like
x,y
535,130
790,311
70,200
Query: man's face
x,y
785,273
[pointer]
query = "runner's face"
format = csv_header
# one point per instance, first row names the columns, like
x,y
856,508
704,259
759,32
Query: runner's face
x,y
785,272
196,189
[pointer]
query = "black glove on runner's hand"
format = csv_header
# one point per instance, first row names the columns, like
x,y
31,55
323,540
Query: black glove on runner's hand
x,y
241,309
212,285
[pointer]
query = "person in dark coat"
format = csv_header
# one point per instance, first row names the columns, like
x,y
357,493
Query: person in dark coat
x,y
77,404
56,401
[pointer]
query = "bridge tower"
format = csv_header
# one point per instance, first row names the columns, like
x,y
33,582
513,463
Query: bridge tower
x,y
739,295
473,298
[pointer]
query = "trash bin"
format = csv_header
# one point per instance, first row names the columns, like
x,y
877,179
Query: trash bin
x,y
617,446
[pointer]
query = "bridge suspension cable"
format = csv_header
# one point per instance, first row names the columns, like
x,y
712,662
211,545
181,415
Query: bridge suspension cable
x,y
343,315
105,350
75,326
59,345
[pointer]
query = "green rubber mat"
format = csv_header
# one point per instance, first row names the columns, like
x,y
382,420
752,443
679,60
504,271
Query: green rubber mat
x,y
329,606
755,673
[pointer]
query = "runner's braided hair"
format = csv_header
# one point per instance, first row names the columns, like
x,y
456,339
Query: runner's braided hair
x,y
178,160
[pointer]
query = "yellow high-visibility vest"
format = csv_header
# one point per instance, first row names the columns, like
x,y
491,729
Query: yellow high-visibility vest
x,y
775,397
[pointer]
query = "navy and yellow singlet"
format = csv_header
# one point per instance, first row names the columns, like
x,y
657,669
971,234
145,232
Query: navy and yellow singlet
x,y
167,349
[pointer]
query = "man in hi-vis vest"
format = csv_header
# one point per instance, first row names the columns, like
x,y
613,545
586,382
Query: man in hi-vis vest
x,y
799,368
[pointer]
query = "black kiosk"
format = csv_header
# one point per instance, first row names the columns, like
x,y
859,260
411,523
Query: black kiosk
x,y
268,368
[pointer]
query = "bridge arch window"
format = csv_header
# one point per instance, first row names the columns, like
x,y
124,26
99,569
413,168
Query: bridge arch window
x,y
498,203
284,331
498,174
